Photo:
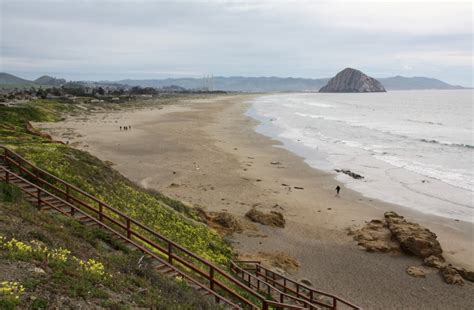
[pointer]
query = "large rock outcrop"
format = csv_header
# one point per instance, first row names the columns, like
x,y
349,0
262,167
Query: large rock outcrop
x,y
394,234
413,237
352,81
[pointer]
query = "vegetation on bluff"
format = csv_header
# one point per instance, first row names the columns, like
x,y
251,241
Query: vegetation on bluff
x,y
49,261
96,177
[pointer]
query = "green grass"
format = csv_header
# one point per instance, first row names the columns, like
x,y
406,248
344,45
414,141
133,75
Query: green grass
x,y
126,286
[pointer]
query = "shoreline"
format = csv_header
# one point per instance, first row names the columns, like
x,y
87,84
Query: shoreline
x,y
183,149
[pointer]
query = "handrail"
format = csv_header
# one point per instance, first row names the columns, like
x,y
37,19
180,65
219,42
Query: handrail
x,y
299,286
171,245
19,162
270,288
9,174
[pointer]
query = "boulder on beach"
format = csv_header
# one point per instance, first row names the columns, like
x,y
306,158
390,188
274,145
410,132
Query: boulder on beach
x,y
375,237
352,81
467,275
273,218
435,262
416,272
223,222
413,238
452,276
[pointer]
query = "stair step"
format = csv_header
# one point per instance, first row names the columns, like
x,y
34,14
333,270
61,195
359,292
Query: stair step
x,y
170,272
162,267
27,187
90,223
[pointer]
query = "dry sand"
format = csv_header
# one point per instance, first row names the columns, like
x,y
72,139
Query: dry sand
x,y
205,153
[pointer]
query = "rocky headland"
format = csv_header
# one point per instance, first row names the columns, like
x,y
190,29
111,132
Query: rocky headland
x,y
352,81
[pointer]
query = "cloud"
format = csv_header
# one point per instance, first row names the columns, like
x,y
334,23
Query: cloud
x,y
183,38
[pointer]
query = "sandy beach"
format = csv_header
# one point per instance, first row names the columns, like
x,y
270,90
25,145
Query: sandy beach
x,y
205,153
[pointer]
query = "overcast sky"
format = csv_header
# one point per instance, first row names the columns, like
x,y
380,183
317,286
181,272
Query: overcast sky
x,y
113,40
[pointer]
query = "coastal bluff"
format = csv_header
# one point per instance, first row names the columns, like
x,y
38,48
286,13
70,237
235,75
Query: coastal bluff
x,y
352,81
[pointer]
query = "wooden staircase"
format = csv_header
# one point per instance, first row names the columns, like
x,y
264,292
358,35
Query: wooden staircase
x,y
248,289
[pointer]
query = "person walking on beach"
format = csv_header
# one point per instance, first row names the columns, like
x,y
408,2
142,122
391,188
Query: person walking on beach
x,y
338,189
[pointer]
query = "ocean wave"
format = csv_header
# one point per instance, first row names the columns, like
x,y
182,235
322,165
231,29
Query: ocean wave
x,y
319,105
425,122
449,176
452,144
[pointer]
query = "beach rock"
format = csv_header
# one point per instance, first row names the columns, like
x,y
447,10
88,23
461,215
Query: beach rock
x,y
416,272
350,173
352,81
278,261
452,276
375,237
413,238
223,222
467,275
435,262
273,218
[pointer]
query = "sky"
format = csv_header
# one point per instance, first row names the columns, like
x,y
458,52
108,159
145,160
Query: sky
x,y
113,40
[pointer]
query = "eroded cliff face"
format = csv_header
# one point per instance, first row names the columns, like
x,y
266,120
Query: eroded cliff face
x,y
352,81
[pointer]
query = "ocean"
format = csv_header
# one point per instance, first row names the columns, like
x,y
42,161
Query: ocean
x,y
413,148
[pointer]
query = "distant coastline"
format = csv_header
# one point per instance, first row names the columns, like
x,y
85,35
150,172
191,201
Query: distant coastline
x,y
233,83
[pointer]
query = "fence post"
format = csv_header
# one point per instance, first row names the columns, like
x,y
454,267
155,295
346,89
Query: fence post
x,y
39,197
5,155
67,193
101,209
129,234
7,176
211,277
334,304
265,305
170,253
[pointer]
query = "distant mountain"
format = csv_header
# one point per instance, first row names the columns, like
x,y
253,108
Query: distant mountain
x,y
9,79
277,84
352,81
236,83
407,83
49,80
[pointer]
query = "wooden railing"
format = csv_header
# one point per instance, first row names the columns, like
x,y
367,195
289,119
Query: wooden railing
x,y
147,240
39,194
253,281
312,296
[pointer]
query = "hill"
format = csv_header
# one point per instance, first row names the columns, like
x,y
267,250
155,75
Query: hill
x,y
278,84
49,80
352,81
10,81
234,83
412,83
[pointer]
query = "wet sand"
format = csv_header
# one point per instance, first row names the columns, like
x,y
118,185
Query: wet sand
x,y
206,153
